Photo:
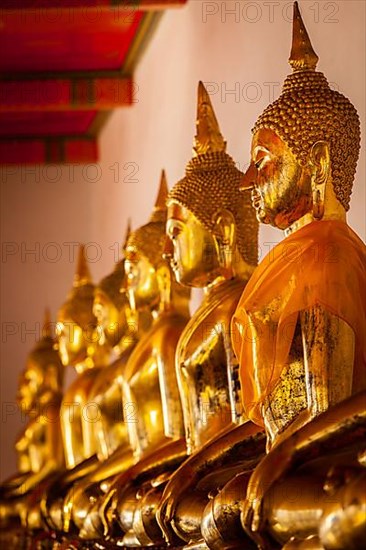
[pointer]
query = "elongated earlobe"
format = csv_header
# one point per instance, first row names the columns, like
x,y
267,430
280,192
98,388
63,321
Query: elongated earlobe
x,y
165,284
224,236
320,160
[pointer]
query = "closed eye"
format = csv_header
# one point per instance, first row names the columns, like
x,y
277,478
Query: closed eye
x,y
174,232
260,163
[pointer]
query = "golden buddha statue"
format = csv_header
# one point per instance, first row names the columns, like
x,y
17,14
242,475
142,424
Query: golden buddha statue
x,y
39,447
155,421
79,346
122,329
297,331
110,308
212,244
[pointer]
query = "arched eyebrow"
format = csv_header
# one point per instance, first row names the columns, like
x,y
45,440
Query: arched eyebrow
x,y
131,254
260,148
173,224
175,212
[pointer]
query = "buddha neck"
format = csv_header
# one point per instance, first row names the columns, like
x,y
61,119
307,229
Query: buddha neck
x,y
177,304
49,396
239,270
173,298
333,210
128,340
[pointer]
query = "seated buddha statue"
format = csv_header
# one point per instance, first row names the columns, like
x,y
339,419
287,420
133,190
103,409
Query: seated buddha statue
x,y
39,446
122,329
121,332
297,331
212,238
79,346
155,422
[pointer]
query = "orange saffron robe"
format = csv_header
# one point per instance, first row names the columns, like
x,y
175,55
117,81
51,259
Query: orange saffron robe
x,y
323,263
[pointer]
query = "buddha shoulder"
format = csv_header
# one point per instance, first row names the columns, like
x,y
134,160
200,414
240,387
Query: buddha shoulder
x,y
80,388
213,318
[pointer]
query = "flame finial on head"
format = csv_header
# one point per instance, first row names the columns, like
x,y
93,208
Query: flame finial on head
x,y
302,55
208,137
82,275
149,239
159,211
46,329
128,233
79,302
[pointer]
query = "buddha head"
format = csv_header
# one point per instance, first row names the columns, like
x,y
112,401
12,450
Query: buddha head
x,y
148,275
77,324
43,372
210,229
110,303
305,145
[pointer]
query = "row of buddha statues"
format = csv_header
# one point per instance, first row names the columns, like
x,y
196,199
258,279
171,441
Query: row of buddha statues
x,y
239,427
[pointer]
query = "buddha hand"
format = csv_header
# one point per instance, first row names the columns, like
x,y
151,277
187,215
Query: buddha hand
x,y
178,485
270,469
107,510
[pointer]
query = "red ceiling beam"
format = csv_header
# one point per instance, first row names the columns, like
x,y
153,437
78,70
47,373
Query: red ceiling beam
x,y
141,5
48,151
66,94
154,4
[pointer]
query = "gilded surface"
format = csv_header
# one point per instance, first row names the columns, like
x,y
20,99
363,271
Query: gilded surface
x,y
211,244
298,372
301,178
150,386
39,448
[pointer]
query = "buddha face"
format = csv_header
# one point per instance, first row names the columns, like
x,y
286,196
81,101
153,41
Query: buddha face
x,y
281,187
141,279
72,342
190,248
30,384
111,320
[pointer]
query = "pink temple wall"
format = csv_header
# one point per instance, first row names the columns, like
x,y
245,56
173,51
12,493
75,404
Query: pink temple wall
x,y
245,53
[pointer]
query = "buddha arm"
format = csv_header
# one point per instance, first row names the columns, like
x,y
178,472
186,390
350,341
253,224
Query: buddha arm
x,y
169,388
154,464
35,478
22,449
7,487
72,435
77,422
84,468
111,407
149,467
329,345
117,463
328,352
109,429
346,422
49,454
184,399
90,412
104,472
244,443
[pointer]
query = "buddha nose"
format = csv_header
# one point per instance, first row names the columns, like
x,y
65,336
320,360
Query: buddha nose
x,y
168,249
249,179
124,284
